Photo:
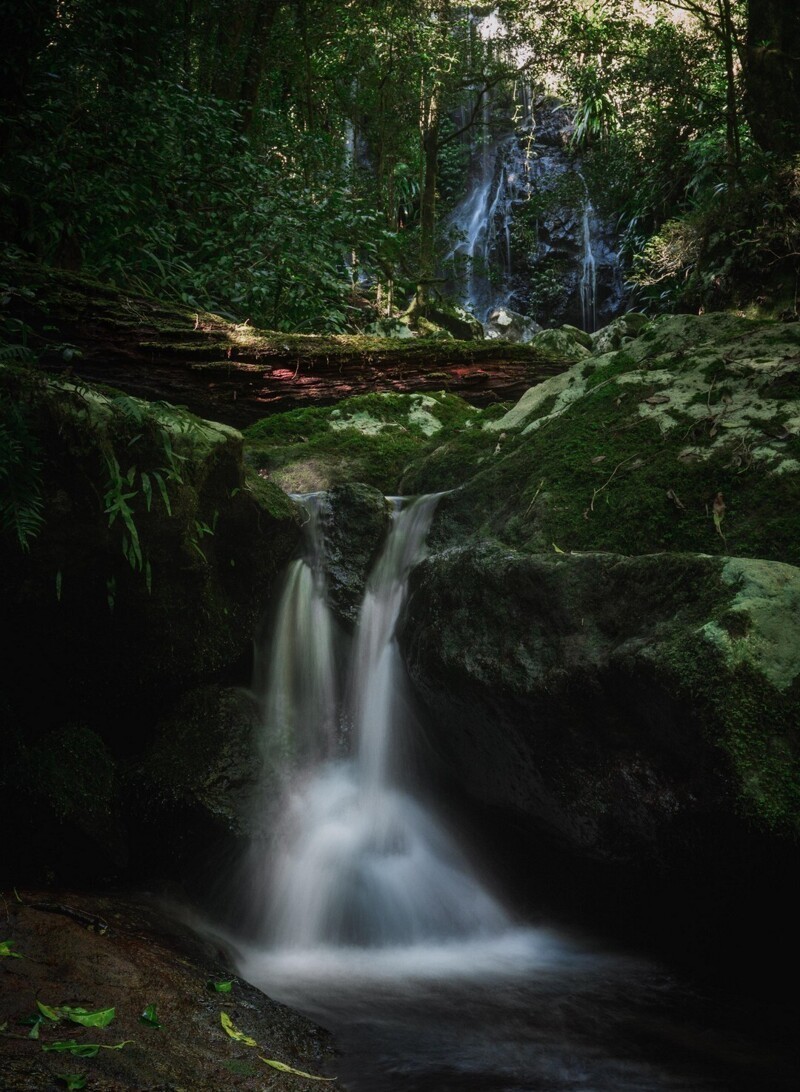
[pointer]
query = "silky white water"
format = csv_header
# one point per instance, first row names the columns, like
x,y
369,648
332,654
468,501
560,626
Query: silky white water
x,y
373,920
360,861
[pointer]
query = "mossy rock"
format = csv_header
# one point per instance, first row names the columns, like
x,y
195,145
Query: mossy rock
x,y
688,438
61,809
628,706
368,438
154,563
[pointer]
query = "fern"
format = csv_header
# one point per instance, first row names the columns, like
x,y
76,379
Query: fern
x,y
21,502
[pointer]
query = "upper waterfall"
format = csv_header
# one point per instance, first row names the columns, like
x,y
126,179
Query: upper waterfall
x,y
526,236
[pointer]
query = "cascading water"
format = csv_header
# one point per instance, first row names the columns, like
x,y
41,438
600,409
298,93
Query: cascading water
x,y
373,921
362,861
588,280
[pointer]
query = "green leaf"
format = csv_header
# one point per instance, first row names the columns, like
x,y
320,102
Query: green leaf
x,y
297,1072
220,987
34,1032
234,1032
5,949
101,1018
147,490
150,1017
81,1050
72,1080
46,1010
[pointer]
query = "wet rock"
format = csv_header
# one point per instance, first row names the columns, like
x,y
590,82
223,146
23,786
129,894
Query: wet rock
x,y
196,796
356,518
104,952
510,325
628,707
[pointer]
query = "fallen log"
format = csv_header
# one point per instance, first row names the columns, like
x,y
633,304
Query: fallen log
x,y
232,372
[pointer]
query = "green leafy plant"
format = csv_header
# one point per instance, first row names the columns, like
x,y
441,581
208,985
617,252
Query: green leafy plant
x,y
21,502
6,949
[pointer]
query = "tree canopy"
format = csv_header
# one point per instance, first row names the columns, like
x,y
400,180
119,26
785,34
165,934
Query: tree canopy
x,y
289,161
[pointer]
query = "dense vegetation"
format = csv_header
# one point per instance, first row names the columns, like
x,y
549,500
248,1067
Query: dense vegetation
x,y
288,161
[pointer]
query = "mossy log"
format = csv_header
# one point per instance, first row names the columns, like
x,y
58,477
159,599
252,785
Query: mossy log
x,y
235,373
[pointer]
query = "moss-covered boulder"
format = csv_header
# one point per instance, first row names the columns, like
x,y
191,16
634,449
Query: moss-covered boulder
x,y
61,807
195,797
630,707
368,438
136,560
687,438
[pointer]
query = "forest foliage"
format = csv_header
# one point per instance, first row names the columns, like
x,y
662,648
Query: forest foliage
x,y
290,161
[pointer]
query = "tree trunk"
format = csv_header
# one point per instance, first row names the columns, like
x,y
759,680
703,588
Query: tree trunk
x,y
427,216
772,75
256,63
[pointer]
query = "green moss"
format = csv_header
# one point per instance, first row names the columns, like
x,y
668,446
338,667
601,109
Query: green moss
x,y
753,722
369,438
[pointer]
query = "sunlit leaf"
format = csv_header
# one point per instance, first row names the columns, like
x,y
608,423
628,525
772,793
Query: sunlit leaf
x,y
48,1011
220,987
297,1072
101,1018
234,1032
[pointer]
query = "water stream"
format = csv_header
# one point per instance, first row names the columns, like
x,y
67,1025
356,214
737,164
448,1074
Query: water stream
x,y
374,920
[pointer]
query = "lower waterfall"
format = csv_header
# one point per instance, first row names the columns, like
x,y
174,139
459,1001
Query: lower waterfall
x,y
373,920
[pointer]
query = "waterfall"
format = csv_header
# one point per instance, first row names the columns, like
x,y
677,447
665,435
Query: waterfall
x,y
361,861
374,922
588,281
566,242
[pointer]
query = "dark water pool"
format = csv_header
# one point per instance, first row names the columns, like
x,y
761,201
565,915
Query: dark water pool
x,y
531,1011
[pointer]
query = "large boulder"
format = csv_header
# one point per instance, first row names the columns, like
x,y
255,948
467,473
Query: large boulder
x,y
626,707
687,438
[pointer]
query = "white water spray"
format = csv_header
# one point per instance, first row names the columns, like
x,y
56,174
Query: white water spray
x,y
362,862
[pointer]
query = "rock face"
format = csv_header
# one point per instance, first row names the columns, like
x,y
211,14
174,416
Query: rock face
x,y
153,564
102,953
356,518
625,706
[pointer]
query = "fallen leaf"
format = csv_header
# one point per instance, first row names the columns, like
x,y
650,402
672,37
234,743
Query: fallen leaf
x,y
297,1072
598,458
234,1032
557,549
81,1050
657,399
150,1017
100,1018
673,496
220,987
74,1081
